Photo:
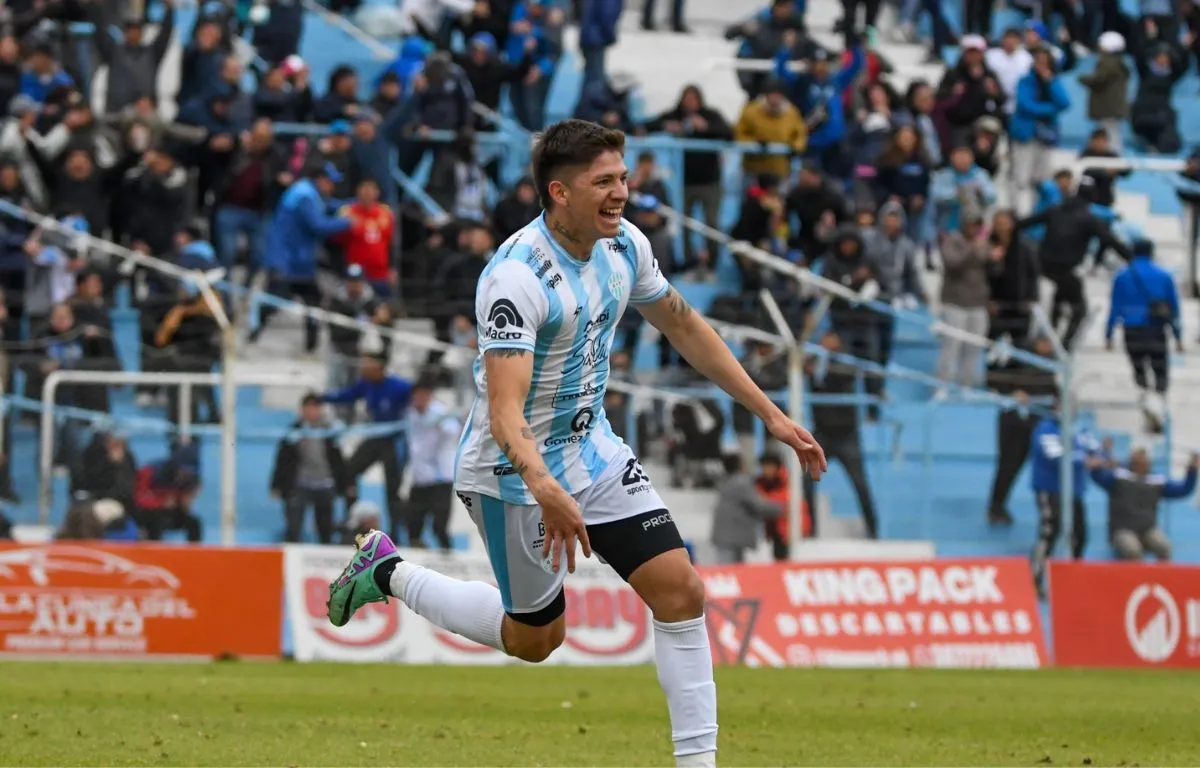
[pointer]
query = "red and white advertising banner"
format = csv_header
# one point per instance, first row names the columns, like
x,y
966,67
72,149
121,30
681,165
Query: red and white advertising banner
x,y
1125,614
606,621
942,613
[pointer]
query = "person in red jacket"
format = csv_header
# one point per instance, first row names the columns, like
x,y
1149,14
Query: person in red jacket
x,y
163,494
772,484
368,242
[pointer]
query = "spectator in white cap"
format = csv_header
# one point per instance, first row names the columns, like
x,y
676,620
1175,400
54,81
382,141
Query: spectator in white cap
x,y
1108,88
968,92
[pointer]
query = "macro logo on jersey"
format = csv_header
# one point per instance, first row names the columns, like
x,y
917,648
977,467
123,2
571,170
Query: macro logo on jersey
x,y
501,316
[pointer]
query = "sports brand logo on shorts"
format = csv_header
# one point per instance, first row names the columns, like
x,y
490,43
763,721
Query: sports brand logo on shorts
x,y
502,316
634,480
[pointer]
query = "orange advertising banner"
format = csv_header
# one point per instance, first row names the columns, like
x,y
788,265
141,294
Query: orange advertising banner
x,y
93,599
929,613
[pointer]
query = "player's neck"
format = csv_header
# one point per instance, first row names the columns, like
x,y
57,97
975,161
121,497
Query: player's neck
x,y
569,238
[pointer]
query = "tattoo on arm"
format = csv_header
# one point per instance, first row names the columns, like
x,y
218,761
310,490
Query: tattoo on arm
x,y
519,467
527,433
678,304
501,353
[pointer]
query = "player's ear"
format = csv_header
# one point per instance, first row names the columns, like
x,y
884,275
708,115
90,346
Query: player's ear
x,y
559,192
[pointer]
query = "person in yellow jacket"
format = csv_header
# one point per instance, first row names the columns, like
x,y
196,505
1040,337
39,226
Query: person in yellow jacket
x,y
771,119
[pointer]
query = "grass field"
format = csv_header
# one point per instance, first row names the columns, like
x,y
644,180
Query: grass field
x,y
292,714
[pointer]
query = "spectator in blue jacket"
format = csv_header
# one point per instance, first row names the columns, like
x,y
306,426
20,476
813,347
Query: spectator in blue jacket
x,y
597,32
1145,303
819,95
1046,473
42,74
298,227
387,397
1033,129
961,187
535,31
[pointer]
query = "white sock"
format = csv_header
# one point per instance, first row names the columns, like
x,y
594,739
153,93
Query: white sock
x,y
685,673
468,608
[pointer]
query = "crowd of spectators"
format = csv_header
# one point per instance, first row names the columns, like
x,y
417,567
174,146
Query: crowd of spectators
x,y
888,178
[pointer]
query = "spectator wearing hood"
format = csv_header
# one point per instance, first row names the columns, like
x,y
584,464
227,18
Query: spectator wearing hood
x,y
298,227
1034,128
1154,119
516,209
132,62
164,492
1013,274
340,101
535,30
278,36
820,97
1145,303
409,63
968,91
1108,88
692,119
985,144
846,262
781,25
598,33
959,189
1070,228
42,74
894,258
200,64
487,73
965,257
771,119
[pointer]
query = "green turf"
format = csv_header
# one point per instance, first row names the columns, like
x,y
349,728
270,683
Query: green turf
x,y
294,714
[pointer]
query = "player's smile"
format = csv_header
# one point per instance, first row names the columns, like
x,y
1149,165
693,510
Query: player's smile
x,y
610,216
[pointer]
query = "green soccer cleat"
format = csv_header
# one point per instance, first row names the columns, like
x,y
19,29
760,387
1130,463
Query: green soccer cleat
x,y
356,586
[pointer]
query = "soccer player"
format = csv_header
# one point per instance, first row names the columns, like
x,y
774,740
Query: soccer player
x,y
539,468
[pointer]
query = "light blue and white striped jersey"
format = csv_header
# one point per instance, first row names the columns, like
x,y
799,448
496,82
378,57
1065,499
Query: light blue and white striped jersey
x,y
535,296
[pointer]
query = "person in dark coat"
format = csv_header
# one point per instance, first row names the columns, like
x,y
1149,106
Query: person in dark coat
x,y
132,63
847,263
1012,280
1014,426
310,472
1153,118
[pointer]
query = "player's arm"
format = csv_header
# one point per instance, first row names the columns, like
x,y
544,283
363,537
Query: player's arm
x,y
708,353
510,306
692,336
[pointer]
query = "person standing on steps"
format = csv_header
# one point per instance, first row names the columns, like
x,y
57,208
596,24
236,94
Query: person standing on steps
x,y
1145,303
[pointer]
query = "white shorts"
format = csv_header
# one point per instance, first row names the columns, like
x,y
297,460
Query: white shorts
x,y
514,535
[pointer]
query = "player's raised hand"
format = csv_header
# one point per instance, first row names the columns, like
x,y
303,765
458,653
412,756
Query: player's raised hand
x,y
809,451
564,527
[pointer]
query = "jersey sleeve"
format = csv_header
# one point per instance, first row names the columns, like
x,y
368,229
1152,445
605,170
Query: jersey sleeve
x,y
649,285
510,307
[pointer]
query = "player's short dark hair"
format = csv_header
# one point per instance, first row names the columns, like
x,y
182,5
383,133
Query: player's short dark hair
x,y
567,144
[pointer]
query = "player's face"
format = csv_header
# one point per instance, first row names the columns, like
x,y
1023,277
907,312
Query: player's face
x,y
599,195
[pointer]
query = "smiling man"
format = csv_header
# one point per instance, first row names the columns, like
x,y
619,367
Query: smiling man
x,y
539,468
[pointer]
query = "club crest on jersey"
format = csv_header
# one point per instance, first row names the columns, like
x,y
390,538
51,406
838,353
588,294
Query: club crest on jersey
x,y
616,284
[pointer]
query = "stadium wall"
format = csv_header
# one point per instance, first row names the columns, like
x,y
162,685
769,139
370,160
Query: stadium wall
x,y
153,601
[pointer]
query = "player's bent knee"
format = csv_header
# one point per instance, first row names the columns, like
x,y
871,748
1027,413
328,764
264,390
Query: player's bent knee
x,y
533,644
671,587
